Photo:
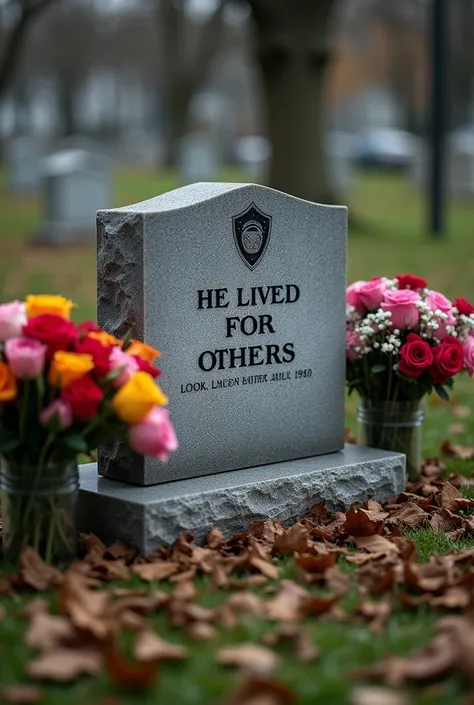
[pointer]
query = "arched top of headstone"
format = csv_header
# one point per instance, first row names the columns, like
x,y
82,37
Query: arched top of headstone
x,y
193,194
70,160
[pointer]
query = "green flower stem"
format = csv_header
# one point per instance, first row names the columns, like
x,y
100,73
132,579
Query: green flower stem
x,y
24,408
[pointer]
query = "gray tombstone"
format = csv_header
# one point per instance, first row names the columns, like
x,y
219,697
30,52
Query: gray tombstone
x,y
23,156
242,288
198,158
75,183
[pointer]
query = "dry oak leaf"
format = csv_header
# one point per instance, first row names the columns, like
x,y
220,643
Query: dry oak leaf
x,y
456,597
47,632
35,573
376,544
317,605
287,604
378,613
251,657
19,694
65,665
215,538
201,631
293,539
245,603
119,550
448,497
409,514
269,570
457,451
266,530
261,691
158,570
184,590
359,523
85,607
443,520
111,570
371,695
315,564
93,546
151,647
126,672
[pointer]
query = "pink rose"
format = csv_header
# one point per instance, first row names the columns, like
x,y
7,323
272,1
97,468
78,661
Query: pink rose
x,y
12,319
438,302
401,304
26,357
119,358
468,353
59,409
154,435
353,296
352,340
371,293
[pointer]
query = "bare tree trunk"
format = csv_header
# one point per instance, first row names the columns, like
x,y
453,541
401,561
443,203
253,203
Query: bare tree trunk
x,y
293,48
184,71
67,107
12,43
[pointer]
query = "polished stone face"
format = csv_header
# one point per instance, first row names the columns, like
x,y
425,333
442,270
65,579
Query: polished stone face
x,y
242,289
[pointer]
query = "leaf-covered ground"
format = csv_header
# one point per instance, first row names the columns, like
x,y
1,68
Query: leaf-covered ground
x,y
369,606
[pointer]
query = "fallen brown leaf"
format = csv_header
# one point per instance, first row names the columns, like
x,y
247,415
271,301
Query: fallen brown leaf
x,y
215,538
65,665
376,544
47,632
119,550
185,591
111,570
293,539
315,564
444,521
19,694
158,570
94,548
377,613
128,673
371,695
151,647
409,514
359,523
261,691
269,570
251,657
461,411
201,631
35,573
448,497
455,429
457,451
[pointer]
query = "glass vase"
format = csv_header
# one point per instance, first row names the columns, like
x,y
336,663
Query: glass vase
x,y
395,426
38,508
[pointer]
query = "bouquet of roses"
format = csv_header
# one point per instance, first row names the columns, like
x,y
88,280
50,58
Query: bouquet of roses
x,y
65,389
403,340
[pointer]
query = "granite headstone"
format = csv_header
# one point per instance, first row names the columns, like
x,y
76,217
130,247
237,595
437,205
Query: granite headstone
x,y
74,184
198,158
23,156
242,288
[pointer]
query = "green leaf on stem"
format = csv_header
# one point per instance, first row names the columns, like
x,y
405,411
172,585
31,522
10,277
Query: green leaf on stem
x,y
127,339
75,442
110,376
441,392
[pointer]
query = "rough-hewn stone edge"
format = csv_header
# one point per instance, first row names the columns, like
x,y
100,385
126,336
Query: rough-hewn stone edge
x,y
120,307
234,508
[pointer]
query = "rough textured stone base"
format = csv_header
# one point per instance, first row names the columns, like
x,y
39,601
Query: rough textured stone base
x,y
149,517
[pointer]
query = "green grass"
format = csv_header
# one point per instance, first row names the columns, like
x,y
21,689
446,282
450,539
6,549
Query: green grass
x,y
394,241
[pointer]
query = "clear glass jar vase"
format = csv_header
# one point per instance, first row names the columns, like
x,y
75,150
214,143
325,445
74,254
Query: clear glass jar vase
x,y
395,426
38,508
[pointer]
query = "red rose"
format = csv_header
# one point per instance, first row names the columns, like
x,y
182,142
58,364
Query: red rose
x,y
448,360
464,307
145,366
100,354
87,327
410,281
54,331
84,396
415,356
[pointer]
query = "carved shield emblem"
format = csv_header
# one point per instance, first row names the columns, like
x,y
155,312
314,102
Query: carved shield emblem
x,y
251,234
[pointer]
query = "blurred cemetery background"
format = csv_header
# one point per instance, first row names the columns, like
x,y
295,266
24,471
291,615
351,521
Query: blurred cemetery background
x,y
109,102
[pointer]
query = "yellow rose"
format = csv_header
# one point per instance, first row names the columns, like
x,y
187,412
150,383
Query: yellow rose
x,y
43,303
104,338
146,352
66,367
137,397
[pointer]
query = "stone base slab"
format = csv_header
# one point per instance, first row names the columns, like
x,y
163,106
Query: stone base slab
x,y
150,517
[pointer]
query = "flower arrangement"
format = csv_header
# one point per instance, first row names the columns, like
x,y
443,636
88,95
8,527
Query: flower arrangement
x,y
65,389
404,340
